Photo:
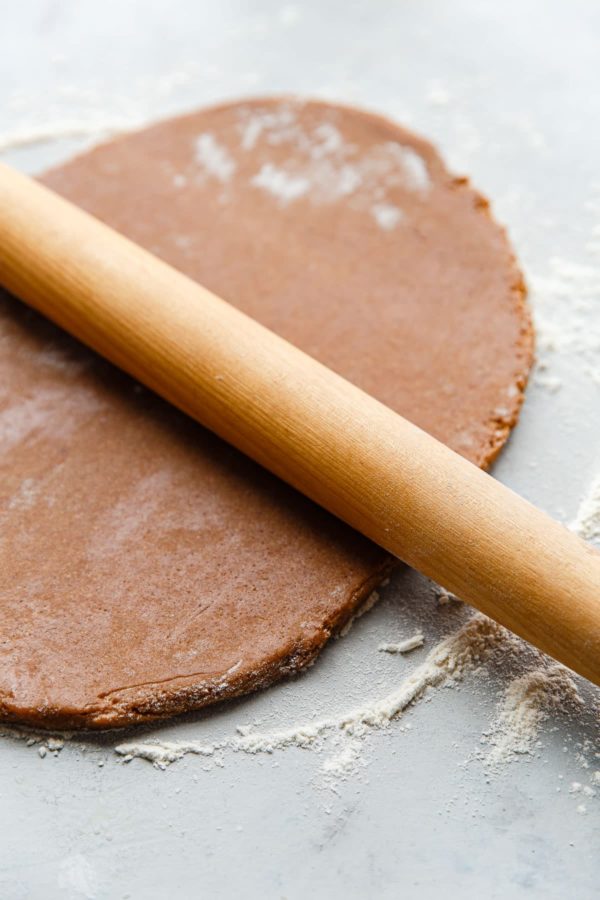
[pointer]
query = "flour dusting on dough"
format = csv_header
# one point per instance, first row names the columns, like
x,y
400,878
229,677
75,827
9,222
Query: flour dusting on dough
x,y
26,495
565,296
387,215
417,176
56,410
214,157
322,166
281,184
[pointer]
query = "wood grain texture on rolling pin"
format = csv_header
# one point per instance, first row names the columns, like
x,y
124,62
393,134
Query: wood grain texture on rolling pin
x,y
329,439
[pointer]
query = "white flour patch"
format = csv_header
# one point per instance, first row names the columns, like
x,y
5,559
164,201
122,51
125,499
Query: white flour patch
x,y
275,124
415,169
387,215
346,759
45,742
565,301
281,184
163,753
587,521
26,496
527,703
52,412
214,158
411,643
366,606
532,698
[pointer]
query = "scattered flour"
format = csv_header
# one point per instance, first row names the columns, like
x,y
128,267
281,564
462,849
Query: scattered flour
x,y
551,383
163,753
577,787
411,643
321,166
214,158
444,597
320,163
527,702
387,215
587,520
44,742
346,760
416,175
532,698
446,664
281,184
46,413
565,301
367,605
88,111
95,127
26,495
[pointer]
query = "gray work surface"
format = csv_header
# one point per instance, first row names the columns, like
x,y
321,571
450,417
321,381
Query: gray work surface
x,y
510,92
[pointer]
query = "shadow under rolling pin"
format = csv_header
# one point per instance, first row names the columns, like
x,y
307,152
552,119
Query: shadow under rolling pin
x,y
339,446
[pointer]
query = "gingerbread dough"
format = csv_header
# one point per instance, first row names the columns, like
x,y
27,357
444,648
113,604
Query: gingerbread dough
x,y
146,568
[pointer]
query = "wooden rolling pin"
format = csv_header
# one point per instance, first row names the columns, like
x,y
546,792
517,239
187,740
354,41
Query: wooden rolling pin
x,y
348,452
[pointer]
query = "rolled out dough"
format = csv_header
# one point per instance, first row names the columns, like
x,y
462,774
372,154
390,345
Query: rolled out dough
x,y
146,568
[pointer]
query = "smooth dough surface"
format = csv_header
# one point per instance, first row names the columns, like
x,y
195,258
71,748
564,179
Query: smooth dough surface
x,y
146,568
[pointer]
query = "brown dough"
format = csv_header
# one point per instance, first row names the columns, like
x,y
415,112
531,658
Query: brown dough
x,y
146,568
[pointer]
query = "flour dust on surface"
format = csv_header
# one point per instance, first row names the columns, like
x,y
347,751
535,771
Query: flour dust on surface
x,y
536,695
